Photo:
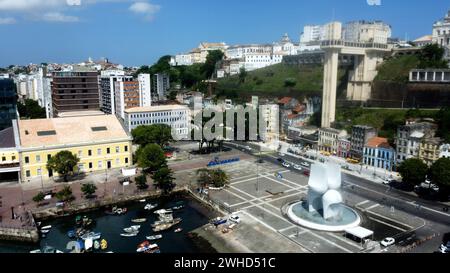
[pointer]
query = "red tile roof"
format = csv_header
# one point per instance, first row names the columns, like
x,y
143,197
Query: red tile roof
x,y
285,100
376,142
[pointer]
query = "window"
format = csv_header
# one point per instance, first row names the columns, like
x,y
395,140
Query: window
x,y
39,171
48,157
27,160
117,149
38,158
27,173
126,148
90,165
4,158
100,164
13,158
80,154
117,161
126,160
108,151
89,152
99,151
46,133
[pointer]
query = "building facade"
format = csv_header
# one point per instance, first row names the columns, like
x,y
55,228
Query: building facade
x,y
175,116
378,153
76,90
100,142
410,136
8,103
126,96
429,149
9,156
360,135
108,79
441,34
161,85
329,140
364,31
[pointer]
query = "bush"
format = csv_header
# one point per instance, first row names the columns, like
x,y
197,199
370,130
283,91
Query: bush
x,y
290,82
65,194
88,189
38,198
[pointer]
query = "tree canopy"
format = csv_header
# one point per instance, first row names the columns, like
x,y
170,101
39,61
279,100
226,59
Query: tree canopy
x,y
151,158
160,134
413,171
163,179
30,109
88,189
216,177
440,172
443,119
65,194
209,67
63,163
432,56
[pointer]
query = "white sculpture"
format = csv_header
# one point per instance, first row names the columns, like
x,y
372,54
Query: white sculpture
x,y
323,183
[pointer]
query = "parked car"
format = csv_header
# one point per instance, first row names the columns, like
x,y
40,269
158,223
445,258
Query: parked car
x,y
304,164
280,159
281,154
387,241
388,181
235,219
307,173
297,167
286,164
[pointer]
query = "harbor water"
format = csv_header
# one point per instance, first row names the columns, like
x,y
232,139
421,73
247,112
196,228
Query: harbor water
x,y
193,216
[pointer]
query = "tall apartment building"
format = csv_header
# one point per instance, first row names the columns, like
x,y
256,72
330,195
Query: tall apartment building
x,y
126,96
360,136
74,91
8,103
161,84
108,79
145,90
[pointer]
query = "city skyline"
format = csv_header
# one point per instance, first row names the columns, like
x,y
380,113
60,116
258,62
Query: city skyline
x,y
150,29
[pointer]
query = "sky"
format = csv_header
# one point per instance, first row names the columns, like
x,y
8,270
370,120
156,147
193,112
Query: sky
x,y
138,32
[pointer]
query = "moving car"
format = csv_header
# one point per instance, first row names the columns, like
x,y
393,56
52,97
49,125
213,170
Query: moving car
x,y
387,241
285,164
235,219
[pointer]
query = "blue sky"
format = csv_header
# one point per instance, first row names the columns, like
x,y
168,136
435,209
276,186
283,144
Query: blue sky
x,y
136,32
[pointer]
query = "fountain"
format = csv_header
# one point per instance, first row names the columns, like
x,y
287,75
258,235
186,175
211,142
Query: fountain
x,y
323,209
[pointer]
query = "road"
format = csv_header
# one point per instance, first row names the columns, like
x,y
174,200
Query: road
x,y
429,210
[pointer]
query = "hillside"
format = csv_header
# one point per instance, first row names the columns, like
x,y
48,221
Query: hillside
x,y
276,81
397,69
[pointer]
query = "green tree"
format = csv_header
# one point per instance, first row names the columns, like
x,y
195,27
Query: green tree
x,y
163,179
38,198
413,171
88,189
209,67
290,82
203,177
151,158
432,56
63,163
65,195
242,75
141,182
440,172
219,178
173,95
160,134
443,119
30,109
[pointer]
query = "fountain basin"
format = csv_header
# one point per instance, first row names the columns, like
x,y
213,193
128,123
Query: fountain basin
x,y
299,214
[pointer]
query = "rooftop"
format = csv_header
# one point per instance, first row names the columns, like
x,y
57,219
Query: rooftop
x,y
378,142
284,100
7,138
69,131
156,108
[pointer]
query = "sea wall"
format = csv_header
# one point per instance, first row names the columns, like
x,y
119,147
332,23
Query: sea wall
x,y
19,234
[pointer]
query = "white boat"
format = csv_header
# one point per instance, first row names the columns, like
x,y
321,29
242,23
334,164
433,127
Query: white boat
x,y
92,236
150,206
142,200
129,234
88,243
46,227
36,251
132,229
154,237
45,231
139,220
163,211
146,246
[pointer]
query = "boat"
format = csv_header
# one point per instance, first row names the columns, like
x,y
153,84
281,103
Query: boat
x,y
103,244
36,251
166,226
121,211
88,243
150,206
46,227
178,207
45,231
178,230
164,221
139,220
154,237
132,229
129,234
92,236
146,246
50,249
142,200
163,211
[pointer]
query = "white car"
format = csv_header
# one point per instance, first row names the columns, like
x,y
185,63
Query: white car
x,y
285,164
235,219
297,167
387,241
281,154
388,181
305,164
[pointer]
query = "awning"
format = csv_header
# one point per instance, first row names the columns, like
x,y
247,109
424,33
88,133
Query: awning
x,y
359,232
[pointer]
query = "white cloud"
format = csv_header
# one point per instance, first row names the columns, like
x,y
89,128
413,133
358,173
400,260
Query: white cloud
x,y
27,5
145,8
7,21
59,17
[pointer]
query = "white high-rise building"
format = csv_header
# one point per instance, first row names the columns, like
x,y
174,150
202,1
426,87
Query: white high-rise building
x,y
108,78
145,90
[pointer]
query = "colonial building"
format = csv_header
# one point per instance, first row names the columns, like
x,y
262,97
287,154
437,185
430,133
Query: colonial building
x,y
100,142
9,155
378,153
409,137
441,34
329,140
429,149
360,135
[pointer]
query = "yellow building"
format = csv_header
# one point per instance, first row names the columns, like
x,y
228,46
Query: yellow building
x,y
100,142
9,156
429,150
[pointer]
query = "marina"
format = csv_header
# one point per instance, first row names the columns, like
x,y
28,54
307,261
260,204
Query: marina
x,y
117,233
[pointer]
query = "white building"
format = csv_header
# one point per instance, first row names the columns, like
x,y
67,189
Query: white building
x,y
364,31
444,151
441,34
409,137
271,115
145,90
108,78
176,116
